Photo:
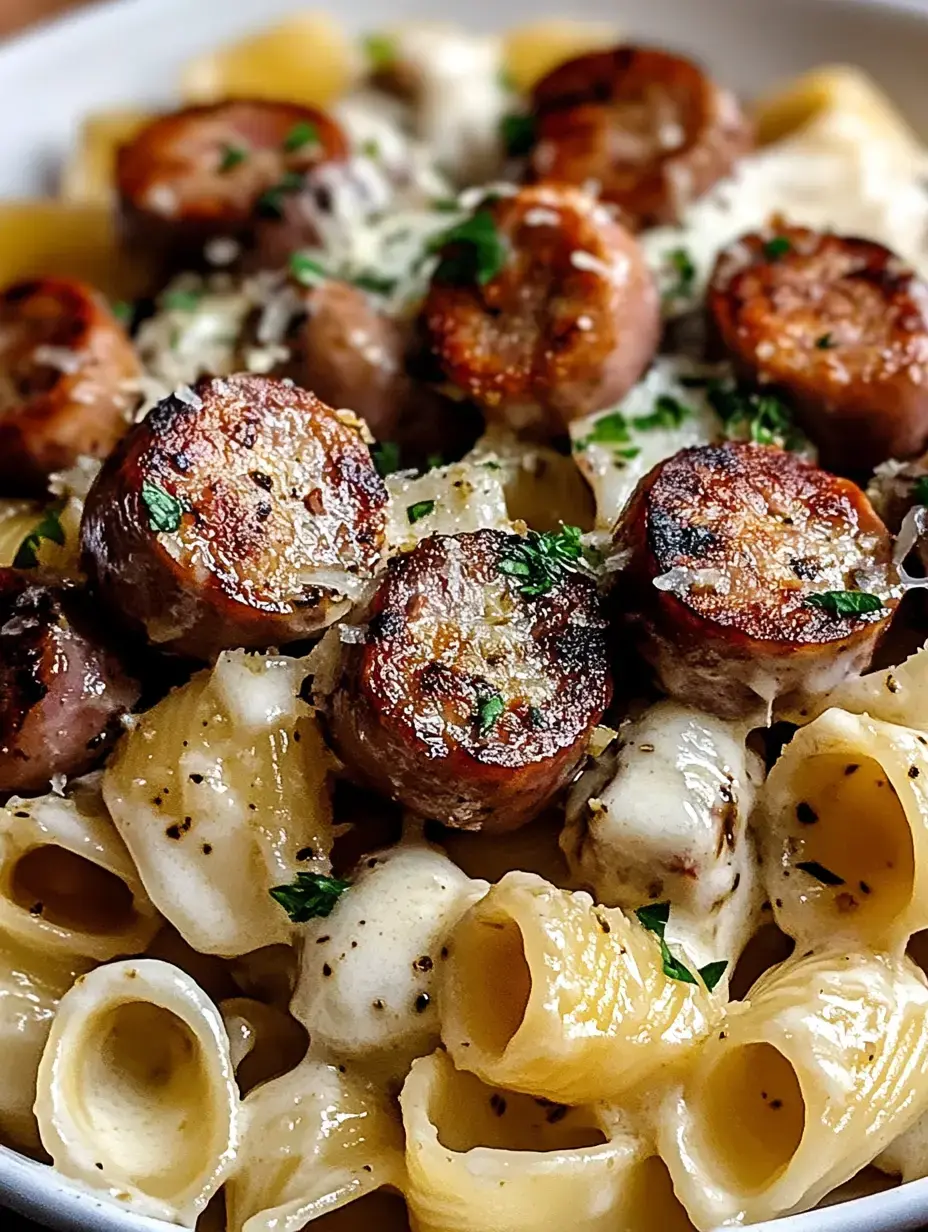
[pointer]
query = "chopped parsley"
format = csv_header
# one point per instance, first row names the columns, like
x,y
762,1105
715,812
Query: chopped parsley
x,y
471,251
181,301
845,602
778,247
825,342
611,429
758,417
374,283
820,873
682,266
231,157
518,134
386,456
489,710
654,918
380,51
667,413
370,148
307,271
310,896
164,510
302,133
122,311
434,460
271,202
920,491
47,528
421,509
541,560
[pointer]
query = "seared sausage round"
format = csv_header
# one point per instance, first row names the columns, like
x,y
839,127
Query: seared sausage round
x,y
475,690
736,554
651,129
68,378
62,691
234,169
841,327
247,513
553,315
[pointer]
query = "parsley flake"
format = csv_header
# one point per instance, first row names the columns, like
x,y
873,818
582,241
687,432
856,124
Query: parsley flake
x,y
421,509
489,710
302,133
758,417
654,918
386,456
310,896
122,311
518,134
825,342
271,202
231,156
164,510
667,413
712,972
845,602
181,301
541,560
611,429
380,51
778,247
471,251
47,528
920,491
681,264
306,270
374,283
820,873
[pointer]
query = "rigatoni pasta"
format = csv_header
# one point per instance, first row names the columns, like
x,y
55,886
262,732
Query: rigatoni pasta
x,y
548,994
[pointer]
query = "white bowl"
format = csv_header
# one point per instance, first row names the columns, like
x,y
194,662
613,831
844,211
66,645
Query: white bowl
x,y
130,51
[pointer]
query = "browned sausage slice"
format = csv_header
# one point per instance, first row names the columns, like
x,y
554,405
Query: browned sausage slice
x,y
62,691
841,326
736,557
223,169
470,700
542,308
243,513
68,376
651,129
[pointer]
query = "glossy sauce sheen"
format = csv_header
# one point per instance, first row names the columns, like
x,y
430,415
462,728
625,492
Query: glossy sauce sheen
x,y
447,632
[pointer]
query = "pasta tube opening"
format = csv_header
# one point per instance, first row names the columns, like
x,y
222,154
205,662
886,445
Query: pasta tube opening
x,y
490,957
753,1114
68,890
383,1210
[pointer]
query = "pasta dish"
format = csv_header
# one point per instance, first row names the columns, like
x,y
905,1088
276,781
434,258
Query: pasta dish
x,y
463,519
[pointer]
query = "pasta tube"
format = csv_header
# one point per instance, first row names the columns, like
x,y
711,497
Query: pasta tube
x,y
845,832
547,994
805,1084
317,1139
136,1094
221,793
67,883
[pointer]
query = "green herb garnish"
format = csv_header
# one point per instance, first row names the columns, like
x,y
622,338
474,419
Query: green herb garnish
x,y
310,896
374,283
820,873
386,456
654,918
231,156
434,460
181,301
380,51
421,509
667,413
370,148
682,265
761,418
306,270
164,510
778,247
271,202
920,491
489,709
122,311
845,602
541,560
472,251
518,134
48,528
825,343
302,133
611,429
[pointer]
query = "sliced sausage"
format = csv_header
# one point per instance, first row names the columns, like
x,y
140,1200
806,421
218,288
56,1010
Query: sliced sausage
x,y
732,551
62,691
649,128
470,700
841,327
234,169
247,513
68,376
544,311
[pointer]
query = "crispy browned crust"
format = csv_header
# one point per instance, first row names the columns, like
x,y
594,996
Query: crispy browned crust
x,y
448,631
651,129
61,690
68,376
840,325
175,196
761,530
274,486
565,328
